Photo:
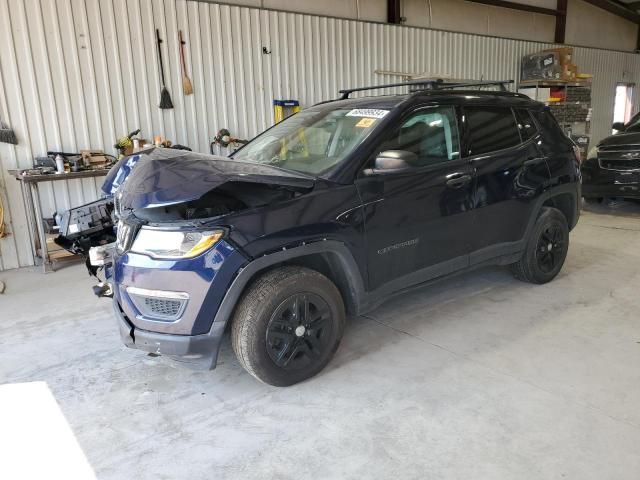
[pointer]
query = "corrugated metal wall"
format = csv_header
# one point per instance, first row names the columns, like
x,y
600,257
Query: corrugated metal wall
x,y
79,73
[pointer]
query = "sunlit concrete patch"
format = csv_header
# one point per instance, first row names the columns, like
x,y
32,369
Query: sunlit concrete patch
x,y
35,438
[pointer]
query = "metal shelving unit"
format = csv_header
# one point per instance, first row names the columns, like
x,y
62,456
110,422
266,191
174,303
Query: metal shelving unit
x,y
573,112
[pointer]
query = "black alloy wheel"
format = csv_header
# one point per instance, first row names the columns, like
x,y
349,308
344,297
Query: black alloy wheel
x,y
550,248
546,248
299,331
287,325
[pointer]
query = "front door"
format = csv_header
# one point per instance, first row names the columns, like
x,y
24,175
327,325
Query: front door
x,y
417,220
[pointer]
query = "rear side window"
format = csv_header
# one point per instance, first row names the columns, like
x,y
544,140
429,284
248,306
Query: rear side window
x,y
525,123
491,129
549,126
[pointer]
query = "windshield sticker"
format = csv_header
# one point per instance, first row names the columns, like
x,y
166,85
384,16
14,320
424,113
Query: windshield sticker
x,y
367,112
366,122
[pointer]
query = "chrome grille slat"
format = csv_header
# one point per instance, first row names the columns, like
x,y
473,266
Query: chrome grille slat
x,y
619,158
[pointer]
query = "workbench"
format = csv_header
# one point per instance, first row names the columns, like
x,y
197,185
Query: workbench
x,y
33,207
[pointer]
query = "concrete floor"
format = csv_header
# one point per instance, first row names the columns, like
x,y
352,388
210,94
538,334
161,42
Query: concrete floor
x,y
477,377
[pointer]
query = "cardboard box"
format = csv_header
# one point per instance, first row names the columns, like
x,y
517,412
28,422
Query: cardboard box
x,y
564,54
93,157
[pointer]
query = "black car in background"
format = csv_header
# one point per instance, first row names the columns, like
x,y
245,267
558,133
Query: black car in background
x,y
329,213
612,168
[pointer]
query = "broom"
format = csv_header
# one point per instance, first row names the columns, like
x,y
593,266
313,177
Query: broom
x,y
187,88
7,135
165,98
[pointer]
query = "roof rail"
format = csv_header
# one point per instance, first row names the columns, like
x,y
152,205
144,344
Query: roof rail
x,y
433,84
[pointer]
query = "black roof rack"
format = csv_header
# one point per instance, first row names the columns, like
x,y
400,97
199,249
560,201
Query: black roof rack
x,y
437,84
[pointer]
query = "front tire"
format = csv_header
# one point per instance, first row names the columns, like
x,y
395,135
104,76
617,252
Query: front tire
x,y
546,248
288,325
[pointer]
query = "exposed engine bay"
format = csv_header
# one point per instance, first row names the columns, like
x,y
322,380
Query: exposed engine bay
x,y
163,185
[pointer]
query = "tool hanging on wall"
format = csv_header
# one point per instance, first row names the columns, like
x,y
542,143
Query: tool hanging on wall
x,y
7,135
224,139
284,108
187,88
3,232
165,98
281,110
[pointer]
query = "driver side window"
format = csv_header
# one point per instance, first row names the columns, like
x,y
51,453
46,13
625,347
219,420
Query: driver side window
x,y
430,133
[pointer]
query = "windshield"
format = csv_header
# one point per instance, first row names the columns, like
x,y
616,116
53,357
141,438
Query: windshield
x,y
633,125
312,141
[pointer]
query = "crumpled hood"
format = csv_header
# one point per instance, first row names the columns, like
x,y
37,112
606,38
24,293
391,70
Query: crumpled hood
x,y
165,177
618,139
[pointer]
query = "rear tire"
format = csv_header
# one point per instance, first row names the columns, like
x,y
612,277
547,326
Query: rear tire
x,y
288,325
546,248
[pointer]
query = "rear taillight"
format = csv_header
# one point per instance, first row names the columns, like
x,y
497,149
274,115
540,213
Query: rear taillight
x,y
577,153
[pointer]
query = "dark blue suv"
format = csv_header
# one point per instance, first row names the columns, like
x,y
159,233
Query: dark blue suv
x,y
329,213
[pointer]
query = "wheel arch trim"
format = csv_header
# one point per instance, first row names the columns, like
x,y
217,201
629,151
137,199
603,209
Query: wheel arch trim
x,y
339,250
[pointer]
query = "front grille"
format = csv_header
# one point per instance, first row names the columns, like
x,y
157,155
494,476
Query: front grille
x,y
619,158
623,165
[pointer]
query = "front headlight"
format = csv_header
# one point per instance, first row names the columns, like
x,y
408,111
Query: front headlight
x,y
174,244
593,153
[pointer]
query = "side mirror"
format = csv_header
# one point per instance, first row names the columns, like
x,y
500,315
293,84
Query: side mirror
x,y
392,161
618,126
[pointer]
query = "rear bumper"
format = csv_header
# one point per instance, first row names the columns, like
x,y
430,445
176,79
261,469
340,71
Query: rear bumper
x,y
197,351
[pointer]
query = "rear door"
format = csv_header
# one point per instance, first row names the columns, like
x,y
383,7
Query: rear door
x,y
510,172
418,221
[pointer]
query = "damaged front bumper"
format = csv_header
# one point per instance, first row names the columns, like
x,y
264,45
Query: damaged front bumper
x,y
167,307
196,351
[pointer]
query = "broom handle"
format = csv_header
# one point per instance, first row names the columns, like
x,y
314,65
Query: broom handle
x,y
160,56
182,42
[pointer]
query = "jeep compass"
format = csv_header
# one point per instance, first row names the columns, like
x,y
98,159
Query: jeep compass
x,y
330,212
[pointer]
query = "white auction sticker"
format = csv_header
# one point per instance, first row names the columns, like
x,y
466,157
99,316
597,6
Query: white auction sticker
x,y
367,112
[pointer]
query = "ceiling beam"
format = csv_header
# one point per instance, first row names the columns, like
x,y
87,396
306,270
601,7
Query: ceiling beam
x,y
616,8
561,21
520,6
393,11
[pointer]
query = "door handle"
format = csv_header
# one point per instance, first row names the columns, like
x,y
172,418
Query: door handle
x,y
457,180
534,161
